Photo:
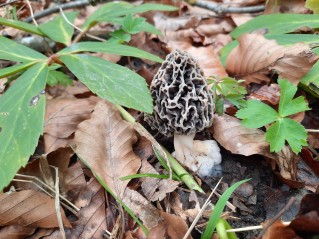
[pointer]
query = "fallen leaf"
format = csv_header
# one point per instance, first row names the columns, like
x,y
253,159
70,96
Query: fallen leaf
x,y
155,189
279,230
105,142
29,208
142,208
268,94
62,118
255,57
172,227
16,232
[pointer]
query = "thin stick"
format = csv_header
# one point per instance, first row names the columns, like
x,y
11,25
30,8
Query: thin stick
x,y
200,213
31,12
220,9
57,202
282,211
7,3
312,130
251,228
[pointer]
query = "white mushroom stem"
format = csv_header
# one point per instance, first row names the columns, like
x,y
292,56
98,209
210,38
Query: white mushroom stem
x,y
199,156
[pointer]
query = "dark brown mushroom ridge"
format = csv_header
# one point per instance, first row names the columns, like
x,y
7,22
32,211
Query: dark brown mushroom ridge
x,y
183,103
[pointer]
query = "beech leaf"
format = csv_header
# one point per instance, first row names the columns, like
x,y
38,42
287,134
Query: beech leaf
x,y
105,142
255,57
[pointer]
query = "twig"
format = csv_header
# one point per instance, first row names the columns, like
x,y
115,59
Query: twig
x,y
7,3
57,202
312,130
201,211
220,9
56,8
270,222
31,12
251,228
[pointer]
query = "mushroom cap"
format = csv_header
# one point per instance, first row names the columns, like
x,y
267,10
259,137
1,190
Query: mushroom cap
x,y
183,103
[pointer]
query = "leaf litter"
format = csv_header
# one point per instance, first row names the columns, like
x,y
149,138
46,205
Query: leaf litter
x,y
110,146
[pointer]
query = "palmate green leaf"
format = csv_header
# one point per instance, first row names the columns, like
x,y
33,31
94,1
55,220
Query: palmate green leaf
x,y
288,105
286,129
21,120
257,114
277,23
8,71
281,39
58,29
218,209
110,81
10,50
131,24
110,48
118,9
27,27
58,77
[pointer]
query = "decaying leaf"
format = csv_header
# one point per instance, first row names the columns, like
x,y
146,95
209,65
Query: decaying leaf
x,y
142,208
62,118
255,57
29,208
229,132
279,230
153,188
16,232
105,142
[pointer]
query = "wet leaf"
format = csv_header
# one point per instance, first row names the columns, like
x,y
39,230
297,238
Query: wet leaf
x,y
105,142
21,120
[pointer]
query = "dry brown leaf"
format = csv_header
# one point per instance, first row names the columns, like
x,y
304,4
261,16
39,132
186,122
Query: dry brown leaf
x,y
142,208
154,188
279,230
238,139
255,57
105,142
62,118
30,209
172,227
16,232
268,94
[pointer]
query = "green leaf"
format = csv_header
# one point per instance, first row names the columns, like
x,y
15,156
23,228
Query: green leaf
x,y
281,39
118,9
59,29
257,114
220,106
10,50
313,5
277,23
218,209
286,129
115,83
58,77
311,80
288,105
221,227
110,48
131,25
21,120
11,70
119,36
27,27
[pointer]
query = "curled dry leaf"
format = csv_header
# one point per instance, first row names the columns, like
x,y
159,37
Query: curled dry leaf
x,y
105,142
29,208
238,139
154,188
255,57
62,118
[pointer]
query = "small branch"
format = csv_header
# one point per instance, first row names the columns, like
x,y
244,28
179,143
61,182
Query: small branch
x,y
31,12
251,228
56,8
220,9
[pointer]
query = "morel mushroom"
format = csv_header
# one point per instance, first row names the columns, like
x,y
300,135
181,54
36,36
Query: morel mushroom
x,y
183,106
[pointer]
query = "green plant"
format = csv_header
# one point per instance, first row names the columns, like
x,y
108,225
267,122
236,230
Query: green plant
x,y
229,89
22,106
282,128
214,218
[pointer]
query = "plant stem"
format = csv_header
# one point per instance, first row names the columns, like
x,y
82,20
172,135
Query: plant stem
x,y
178,169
